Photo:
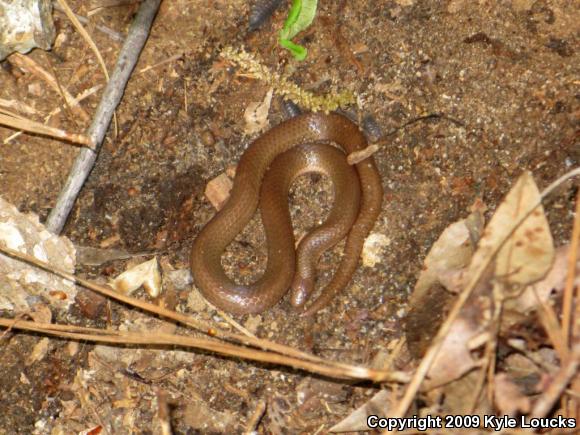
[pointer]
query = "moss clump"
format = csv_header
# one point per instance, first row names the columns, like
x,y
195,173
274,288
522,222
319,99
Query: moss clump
x,y
284,87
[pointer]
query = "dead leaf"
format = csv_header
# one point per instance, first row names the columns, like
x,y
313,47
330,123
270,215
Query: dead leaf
x,y
453,397
554,280
454,359
449,254
145,274
256,115
443,270
379,404
508,397
373,249
529,252
38,352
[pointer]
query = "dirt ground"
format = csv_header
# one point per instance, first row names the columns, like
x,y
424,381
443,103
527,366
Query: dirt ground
x,y
503,78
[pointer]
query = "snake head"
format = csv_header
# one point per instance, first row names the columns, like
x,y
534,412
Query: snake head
x,y
301,289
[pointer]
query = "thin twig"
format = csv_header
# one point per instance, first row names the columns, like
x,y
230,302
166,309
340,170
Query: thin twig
x,y
255,417
568,289
45,130
26,63
111,33
85,94
110,99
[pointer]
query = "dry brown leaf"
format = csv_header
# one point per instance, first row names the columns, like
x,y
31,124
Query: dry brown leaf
x,y
256,115
145,274
443,272
525,257
454,359
39,351
553,281
379,404
449,254
217,190
452,398
529,252
508,397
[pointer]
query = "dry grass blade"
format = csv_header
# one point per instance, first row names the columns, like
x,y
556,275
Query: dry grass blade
x,y
568,290
159,339
549,320
272,352
27,64
17,122
71,16
85,94
255,418
18,105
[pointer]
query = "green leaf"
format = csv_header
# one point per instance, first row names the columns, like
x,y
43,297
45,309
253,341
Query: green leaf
x,y
297,51
300,16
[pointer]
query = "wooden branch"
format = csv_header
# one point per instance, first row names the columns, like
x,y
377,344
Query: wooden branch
x,y
128,57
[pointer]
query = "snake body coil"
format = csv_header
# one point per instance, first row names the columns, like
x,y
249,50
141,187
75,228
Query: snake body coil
x,y
263,177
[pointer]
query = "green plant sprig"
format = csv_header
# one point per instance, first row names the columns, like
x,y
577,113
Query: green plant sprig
x,y
300,16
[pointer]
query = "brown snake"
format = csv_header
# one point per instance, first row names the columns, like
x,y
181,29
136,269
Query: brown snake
x,y
354,213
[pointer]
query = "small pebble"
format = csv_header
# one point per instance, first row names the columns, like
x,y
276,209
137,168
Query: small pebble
x,y
207,138
261,10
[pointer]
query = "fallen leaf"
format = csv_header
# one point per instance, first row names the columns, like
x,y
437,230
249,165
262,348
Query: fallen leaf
x,y
256,115
554,281
379,404
450,254
508,397
39,351
528,253
373,248
145,274
454,358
